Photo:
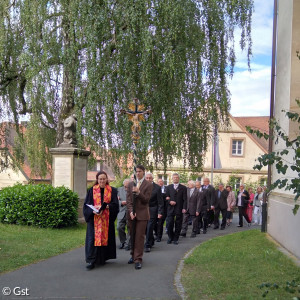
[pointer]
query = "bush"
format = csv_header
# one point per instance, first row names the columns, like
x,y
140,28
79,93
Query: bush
x,y
40,205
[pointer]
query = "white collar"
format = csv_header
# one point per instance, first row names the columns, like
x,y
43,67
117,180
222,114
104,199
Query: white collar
x,y
141,180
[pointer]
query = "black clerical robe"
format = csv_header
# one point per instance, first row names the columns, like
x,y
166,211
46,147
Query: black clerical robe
x,y
99,254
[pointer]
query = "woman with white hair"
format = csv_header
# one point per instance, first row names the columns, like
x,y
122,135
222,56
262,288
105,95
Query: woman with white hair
x,y
257,202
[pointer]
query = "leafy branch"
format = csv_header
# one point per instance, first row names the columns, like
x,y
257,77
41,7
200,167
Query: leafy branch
x,y
277,158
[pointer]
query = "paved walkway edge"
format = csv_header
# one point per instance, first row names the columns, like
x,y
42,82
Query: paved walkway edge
x,y
177,277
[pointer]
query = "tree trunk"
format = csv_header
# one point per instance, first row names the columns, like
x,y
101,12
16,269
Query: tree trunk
x,y
68,91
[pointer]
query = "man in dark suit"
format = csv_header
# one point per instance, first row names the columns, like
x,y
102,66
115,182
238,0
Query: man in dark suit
x,y
122,219
209,195
198,186
242,202
203,211
190,210
220,205
160,222
143,192
176,196
156,207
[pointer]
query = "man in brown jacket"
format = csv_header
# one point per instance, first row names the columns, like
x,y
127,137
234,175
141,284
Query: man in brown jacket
x,y
143,192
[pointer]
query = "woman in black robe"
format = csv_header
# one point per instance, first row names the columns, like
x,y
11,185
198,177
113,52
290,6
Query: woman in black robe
x,y
100,245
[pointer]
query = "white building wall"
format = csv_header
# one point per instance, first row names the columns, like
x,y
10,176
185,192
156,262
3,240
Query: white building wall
x,y
282,224
9,177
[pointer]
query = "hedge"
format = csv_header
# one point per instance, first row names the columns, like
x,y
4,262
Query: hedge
x,y
40,205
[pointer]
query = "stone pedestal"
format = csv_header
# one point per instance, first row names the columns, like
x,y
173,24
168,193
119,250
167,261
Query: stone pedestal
x,y
69,169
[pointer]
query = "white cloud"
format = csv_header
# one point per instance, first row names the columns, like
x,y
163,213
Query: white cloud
x,y
254,66
250,91
262,25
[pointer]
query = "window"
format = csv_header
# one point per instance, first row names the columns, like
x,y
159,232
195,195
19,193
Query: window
x,y
236,181
237,148
263,181
98,168
164,178
199,179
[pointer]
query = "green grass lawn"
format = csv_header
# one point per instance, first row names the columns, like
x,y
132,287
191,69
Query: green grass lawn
x,y
23,245
235,265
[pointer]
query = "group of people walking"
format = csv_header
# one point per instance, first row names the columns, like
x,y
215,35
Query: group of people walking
x,y
146,206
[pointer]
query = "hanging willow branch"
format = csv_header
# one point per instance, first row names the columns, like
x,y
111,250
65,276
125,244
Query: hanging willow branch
x,y
87,56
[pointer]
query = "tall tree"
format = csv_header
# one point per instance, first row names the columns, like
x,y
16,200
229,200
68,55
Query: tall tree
x,y
91,57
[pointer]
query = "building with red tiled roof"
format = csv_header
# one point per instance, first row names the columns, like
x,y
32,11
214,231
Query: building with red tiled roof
x,y
256,123
233,154
12,173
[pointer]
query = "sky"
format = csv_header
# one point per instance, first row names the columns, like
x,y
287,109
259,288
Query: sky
x,y
250,91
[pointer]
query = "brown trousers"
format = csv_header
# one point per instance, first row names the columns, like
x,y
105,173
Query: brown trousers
x,y
140,230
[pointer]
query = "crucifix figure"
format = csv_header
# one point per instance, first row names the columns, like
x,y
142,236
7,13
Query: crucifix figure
x,y
136,115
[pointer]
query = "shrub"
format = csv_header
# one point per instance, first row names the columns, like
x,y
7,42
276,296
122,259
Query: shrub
x,y
39,205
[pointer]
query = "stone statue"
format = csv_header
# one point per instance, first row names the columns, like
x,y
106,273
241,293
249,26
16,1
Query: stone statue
x,y
70,132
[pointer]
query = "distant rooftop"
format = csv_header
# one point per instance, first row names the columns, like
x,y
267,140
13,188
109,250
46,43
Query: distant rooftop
x,y
256,123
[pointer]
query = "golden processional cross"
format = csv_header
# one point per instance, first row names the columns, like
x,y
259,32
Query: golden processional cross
x,y
135,114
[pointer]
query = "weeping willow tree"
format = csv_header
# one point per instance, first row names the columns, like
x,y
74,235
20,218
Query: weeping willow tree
x,y
92,57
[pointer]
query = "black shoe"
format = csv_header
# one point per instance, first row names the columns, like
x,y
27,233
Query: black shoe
x,y
198,232
169,241
216,227
240,226
193,235
127,248
204,231
90,266
183,234
122,246
158,239
147,249
222,228
131,261
138,266
175,242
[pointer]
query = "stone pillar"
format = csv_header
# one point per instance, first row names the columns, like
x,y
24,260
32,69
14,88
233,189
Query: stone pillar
x,y
69,163
69,169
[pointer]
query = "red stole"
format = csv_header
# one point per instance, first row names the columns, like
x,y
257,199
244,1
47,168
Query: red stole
x,y
101,222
